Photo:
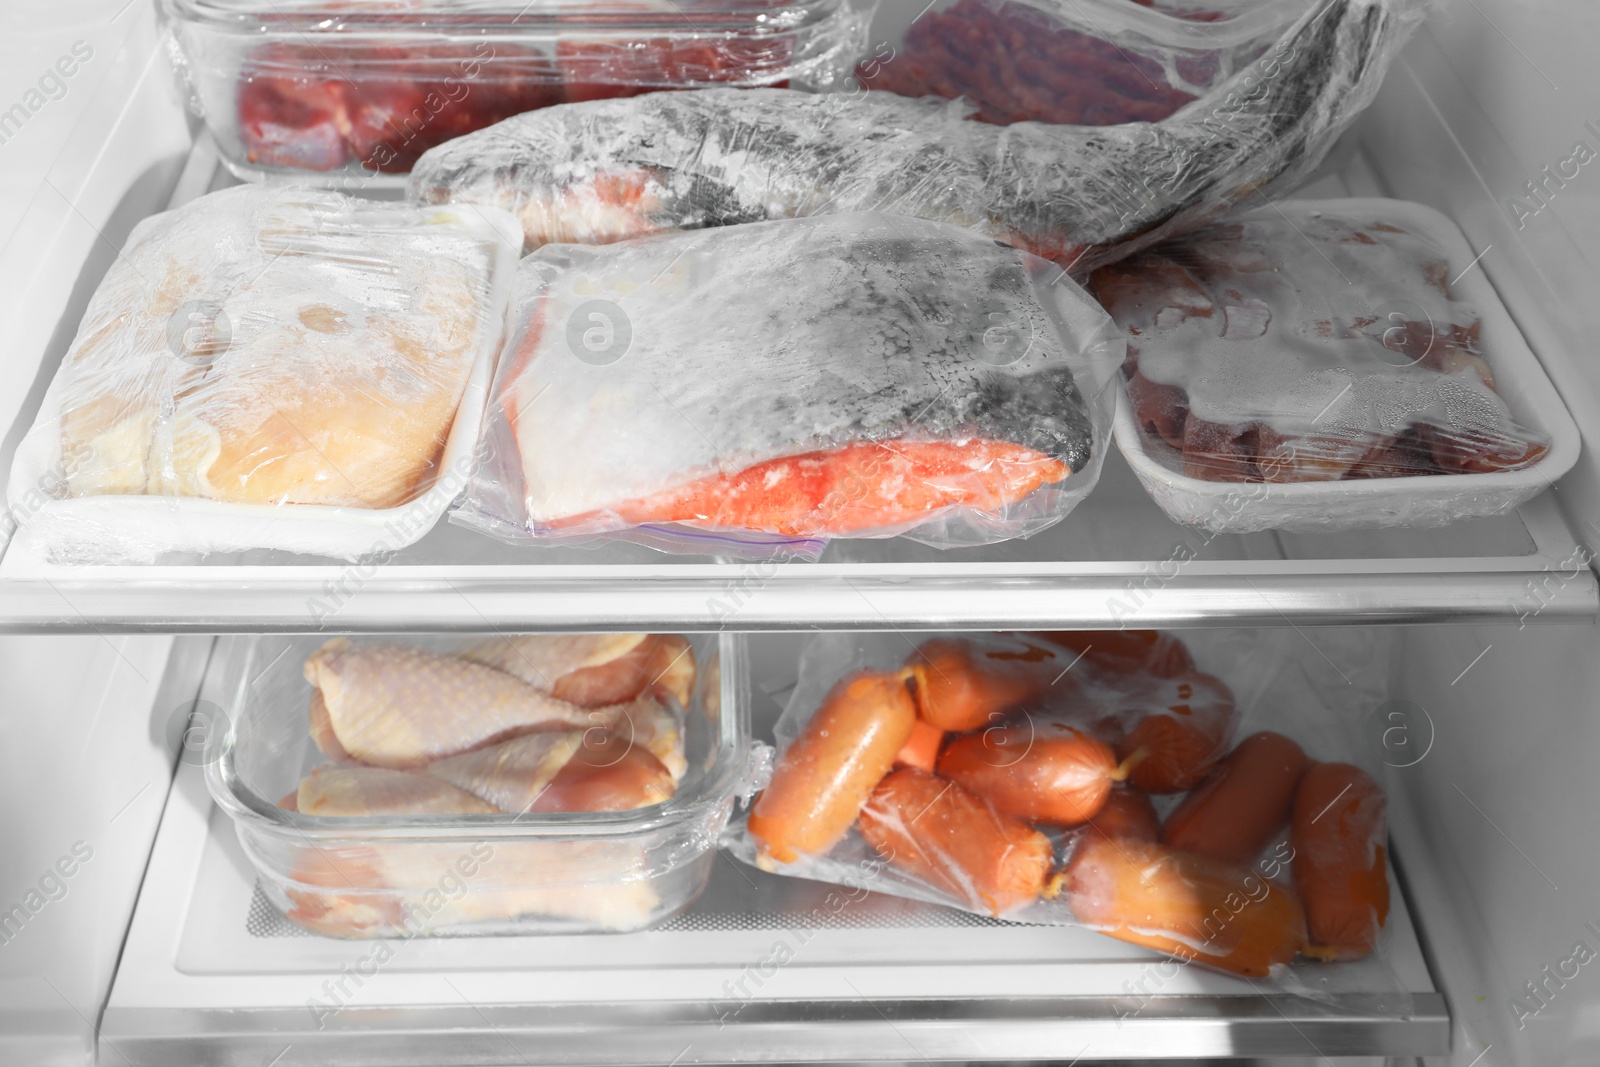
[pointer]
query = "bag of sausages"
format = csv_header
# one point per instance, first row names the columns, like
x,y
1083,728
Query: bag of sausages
x,y
1205,797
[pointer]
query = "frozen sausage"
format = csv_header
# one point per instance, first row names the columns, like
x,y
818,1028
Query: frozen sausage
x,y
1243,804
1193,907
921,749
1127,813
1183,734
1047,773
1125,651
1338,832
959,686
823,778
953,840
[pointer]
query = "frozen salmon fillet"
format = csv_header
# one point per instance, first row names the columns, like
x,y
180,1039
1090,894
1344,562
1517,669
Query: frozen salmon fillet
x,y
842,375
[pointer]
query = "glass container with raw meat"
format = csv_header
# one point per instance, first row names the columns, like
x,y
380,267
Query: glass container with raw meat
x,y
544,783
356,92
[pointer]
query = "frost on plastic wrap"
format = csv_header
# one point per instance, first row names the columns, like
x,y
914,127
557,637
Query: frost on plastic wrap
x,y
1077,62
260,359
352,93
1318,342
1080,196
1275,871
768,387
386,789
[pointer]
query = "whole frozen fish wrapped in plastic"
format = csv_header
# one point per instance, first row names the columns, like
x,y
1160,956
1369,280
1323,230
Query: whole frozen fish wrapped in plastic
x,y
764,388
1081,196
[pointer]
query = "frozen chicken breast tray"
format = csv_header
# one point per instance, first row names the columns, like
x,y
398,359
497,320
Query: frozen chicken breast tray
x,y
452,875
231,358
1413,500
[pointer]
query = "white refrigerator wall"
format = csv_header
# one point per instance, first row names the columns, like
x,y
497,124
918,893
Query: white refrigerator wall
x,y
1497,803
90,729
1518,86
1504,805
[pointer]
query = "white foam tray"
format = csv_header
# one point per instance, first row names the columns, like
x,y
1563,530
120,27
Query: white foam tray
x,y
1421,500
104,527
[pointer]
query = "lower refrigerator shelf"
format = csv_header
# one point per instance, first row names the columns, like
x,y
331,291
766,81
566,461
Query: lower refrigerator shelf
x,y
760,969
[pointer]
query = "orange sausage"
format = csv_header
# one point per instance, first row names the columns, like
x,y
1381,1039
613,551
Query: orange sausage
x,y
954,841
1243,804
609,774
959,687
1127,813
1338,833
1184,738
922,749
1050,774
1193,907
822,779
1125,651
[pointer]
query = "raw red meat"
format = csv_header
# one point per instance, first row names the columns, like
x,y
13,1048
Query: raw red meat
x,y
1016,63
321,106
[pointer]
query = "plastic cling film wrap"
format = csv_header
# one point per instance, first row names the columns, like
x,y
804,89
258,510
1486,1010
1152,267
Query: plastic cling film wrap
x,y
1078,195
1076,62
270,368
358,92
1329,364
506,783
768,387
1257,847
1253,360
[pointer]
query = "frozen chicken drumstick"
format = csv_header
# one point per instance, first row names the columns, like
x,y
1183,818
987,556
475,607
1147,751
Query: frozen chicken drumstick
x,y
594,670
512,774
353,790
398,706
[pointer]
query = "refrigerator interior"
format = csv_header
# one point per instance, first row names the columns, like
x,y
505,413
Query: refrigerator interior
x,y
1488,822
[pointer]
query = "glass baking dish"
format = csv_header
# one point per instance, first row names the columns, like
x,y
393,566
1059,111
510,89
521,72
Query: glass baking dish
x,y
355,92
448,875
